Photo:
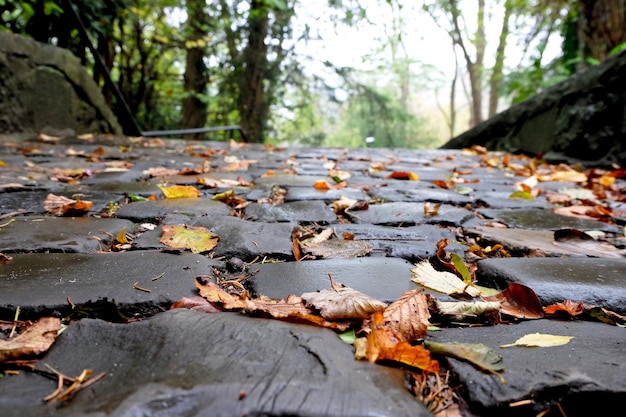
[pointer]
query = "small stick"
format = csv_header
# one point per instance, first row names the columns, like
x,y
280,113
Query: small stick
x,y
137,287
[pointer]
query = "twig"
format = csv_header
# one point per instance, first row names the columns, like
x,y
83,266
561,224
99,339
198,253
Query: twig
x,y
137,287
17,314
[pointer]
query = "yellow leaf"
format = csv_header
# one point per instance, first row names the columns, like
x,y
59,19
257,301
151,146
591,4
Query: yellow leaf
x,y
121,236
180,191
540,340
197,239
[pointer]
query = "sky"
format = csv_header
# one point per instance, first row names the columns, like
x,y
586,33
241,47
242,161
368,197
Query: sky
x,y
426,42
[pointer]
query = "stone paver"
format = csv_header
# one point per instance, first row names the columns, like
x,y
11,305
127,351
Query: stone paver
x,y
184,362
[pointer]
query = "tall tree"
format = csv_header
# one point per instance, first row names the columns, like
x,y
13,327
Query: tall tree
x,y
194,111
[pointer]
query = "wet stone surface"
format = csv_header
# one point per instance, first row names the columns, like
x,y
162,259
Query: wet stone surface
x,y
109,274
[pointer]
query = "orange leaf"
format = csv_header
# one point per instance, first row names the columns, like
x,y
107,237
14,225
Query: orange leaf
x,y
403,175
321,185
566,308
383,344
442,184
63,206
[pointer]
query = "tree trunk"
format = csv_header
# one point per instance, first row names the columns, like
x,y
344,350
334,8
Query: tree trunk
x,y
253,107
602,26
496,73
194,112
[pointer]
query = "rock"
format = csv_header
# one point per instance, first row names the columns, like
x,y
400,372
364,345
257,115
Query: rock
x,y
545,375
44,88
185,363
140,283
582,117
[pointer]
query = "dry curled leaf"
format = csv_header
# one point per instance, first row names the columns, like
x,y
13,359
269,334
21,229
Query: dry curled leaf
x,y
342,303
63,206
519,301
384,345
479,355
446,282
35,340
408,315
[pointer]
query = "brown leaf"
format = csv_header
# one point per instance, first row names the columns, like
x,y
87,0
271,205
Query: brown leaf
x,y
195,303
342,303
519,301
408,316
33,341
383,344
63,206
403,175
291,309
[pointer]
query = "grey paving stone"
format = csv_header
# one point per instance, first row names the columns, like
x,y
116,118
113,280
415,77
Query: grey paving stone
x,y
41,283
544,219
413,243
595,281
414,194
409,214
60,234
220,365
297,211
382,278
33,201
284,180
523,242
244,239
501,200
328,196
142,211
585,377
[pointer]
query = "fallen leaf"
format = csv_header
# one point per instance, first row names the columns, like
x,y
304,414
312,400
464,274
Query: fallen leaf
x,y
463,311
180,191
519,301
291,309
446,282
479,355
340,302
408,316
63,206
197,239
5,258
566,308
338,248
35,340
384,345
540,340
403,175
196,303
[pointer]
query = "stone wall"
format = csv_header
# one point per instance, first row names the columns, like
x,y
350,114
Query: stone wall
x,y
583,117
45,88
